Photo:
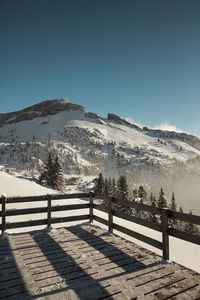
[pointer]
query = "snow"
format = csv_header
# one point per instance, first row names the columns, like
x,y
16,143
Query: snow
x,y
180,251
18,186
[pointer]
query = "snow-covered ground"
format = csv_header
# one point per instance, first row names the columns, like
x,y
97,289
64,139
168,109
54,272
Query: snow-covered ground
x,y
180,251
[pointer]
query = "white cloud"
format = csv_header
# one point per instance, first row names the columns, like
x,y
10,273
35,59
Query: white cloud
x,y
167,126
132,121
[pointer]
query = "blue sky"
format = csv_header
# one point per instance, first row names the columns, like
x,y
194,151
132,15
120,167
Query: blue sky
x,y
136,58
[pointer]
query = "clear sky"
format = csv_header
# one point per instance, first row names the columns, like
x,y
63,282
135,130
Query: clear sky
x,y
136,58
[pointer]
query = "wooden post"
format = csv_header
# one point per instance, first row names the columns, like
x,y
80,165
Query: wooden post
x,y
49,211
91,207
110,216
3,218
165,232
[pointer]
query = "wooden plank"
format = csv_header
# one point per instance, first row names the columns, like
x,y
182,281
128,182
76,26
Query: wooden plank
x,y
139,236
26,224
3,215
45,197
195,239
173,286
100,220
165,233
101,208
25,211
127,203
91,207
70,219
184,217
139,221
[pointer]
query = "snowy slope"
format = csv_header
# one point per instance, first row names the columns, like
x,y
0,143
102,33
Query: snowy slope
x,y
88,144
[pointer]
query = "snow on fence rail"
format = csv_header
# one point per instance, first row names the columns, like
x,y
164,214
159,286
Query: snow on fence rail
x,y
163,227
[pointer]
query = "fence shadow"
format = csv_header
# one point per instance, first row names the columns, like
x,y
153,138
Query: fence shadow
x,y
129,263
77,279
12,285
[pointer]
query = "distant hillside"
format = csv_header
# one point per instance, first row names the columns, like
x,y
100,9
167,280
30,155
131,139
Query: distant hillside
x,y
88,144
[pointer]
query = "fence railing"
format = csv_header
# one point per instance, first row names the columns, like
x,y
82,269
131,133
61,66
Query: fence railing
x,y
163,226
48,209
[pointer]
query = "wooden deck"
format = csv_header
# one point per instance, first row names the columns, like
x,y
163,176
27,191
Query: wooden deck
x,y
85,262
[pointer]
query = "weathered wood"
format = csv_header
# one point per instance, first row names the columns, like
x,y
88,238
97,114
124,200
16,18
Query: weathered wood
x,y
91,207
139,221
27,211
3,217
30,223
100,220
139,236
101,208
195,239
184,217
110,217
49,211
45,197
44,222
127,203
165,233
70,219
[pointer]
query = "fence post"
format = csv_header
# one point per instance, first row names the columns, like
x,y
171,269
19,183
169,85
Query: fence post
x,y
3,218
110,216
49,211
165,232
91,207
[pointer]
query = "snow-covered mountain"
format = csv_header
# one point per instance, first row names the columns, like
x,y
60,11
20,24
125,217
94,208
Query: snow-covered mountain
x,y
88,144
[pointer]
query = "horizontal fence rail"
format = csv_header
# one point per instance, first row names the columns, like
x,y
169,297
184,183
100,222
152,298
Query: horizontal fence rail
x,y
38,210
163,227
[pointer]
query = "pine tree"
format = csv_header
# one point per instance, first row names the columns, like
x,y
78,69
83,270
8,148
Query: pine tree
x,y
122,188
57,176
122,193
106,187
190,227
99,184
52,174
161,199
180,224
173,207
142,194
153,216
135,194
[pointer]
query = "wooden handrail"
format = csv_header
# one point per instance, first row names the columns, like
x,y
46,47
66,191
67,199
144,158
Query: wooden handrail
x,y
48,209
163,227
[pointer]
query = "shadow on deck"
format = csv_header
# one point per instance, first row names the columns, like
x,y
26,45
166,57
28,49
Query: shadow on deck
x,y
85,262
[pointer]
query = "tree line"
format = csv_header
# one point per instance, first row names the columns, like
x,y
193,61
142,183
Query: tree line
x,y
120,189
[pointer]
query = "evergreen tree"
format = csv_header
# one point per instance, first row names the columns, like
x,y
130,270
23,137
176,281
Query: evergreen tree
x,y
190,227
122,188
122,193
180,224
153,216
173,207
99,184
57,176
135,194
161,199
52,174
142,194
106,188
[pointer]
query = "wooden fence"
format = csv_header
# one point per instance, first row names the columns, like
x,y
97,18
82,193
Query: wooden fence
x,y
162,227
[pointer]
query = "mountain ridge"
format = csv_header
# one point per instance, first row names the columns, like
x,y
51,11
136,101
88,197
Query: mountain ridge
x,y
88,144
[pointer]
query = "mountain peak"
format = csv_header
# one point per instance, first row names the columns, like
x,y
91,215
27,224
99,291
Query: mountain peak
x,y
42,109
